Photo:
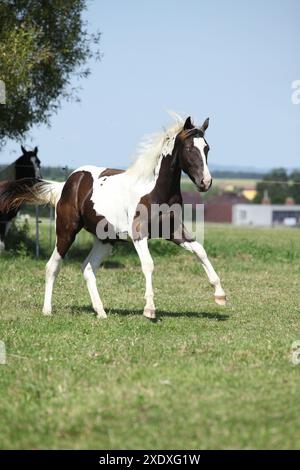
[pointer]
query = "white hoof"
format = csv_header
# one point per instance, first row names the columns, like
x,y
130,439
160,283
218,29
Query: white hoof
x,y
101,315
220,300
149,313
47,312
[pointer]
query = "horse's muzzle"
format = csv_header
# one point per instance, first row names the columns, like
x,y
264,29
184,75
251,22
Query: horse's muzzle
x,y
204,187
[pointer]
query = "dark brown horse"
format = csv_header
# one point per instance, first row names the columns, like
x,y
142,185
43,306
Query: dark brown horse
x,y
112,203
26,166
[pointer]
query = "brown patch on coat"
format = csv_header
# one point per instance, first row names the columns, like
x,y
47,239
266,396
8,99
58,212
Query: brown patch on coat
x,y
75,210
110,172
68,220
166,191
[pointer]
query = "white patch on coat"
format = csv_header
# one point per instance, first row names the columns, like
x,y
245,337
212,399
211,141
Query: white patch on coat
x,y
168,146
36,167
116,197
200,143
91,168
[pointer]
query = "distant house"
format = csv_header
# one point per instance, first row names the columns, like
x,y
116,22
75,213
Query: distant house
x,y
249,194
230,207
266,215
219,208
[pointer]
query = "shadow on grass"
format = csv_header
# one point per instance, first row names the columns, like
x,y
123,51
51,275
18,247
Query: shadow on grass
x,y
160,313
112,264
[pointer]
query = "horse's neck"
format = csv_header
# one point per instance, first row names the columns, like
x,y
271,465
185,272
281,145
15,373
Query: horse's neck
x,y
167,187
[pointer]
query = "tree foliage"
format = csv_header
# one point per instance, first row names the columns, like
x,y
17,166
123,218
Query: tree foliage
x,y
279,186
43,43
295,188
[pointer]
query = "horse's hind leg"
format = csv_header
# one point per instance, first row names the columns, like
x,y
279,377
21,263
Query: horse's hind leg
x,y
66,231
89,268
52,270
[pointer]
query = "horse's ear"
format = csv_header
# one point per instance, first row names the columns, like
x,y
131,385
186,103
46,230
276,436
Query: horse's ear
x,y
23,150
35,151
188,124
205,125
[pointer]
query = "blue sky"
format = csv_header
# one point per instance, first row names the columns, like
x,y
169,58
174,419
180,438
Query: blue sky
x,y
231,60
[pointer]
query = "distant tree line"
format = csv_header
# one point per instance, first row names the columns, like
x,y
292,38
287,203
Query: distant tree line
x,y
55,173
233,174
279,185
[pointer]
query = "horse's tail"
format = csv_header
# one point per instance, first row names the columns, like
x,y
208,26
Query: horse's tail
x,y
29,190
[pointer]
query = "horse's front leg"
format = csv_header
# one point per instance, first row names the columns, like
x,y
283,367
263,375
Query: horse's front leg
x,y
142,249
186,241
214,280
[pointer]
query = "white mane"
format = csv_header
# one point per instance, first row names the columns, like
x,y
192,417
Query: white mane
x,y
152,147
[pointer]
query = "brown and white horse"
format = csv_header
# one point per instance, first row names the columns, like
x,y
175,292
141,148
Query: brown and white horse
x,y
94,197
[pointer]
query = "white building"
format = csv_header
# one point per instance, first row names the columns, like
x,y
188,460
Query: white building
x,y
266,214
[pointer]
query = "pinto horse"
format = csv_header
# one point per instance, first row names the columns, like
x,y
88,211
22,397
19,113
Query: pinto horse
x,y
95,196
26,166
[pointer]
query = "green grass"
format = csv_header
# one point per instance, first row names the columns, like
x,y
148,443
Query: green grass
x,y
203,377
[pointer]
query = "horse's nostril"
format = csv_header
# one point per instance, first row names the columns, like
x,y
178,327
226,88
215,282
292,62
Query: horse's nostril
x,y
205,185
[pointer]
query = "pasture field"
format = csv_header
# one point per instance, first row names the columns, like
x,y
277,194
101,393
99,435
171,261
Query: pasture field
x,y
204,377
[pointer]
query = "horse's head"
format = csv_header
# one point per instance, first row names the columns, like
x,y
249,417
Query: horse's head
x,y
193,153
28,165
